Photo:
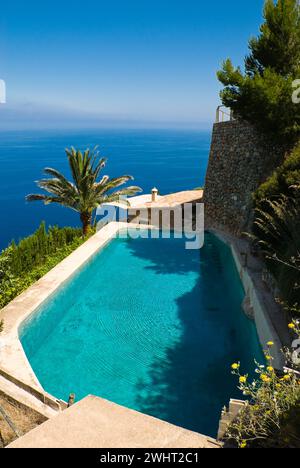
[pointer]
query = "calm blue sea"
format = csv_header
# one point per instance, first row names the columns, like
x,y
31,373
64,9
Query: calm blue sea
x,y
170,160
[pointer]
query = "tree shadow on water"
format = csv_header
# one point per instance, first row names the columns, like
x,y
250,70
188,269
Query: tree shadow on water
x,y
192,382
165,257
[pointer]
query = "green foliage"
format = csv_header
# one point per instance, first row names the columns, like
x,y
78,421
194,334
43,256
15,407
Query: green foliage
x,y
278,46
288,435
277,224
85,193
262,93
32,251
277,228
271,416
285,176
23,264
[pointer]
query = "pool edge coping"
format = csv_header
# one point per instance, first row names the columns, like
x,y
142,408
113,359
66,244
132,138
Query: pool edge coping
x,y
262,317
13,359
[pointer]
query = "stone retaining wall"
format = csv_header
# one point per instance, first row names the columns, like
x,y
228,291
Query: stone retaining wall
x,y
240,160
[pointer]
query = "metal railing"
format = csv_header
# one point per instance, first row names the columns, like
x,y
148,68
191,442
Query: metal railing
x,y
224,115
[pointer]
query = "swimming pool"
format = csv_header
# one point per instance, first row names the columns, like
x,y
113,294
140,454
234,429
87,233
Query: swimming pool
x,y
149,325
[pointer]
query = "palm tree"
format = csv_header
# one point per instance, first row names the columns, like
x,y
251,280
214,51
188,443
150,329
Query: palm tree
x,y
85,193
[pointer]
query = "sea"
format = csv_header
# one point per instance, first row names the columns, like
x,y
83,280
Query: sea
x,y
171,160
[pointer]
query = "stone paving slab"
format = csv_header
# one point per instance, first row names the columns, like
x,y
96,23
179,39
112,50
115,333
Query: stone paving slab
x,y
177,199
98,423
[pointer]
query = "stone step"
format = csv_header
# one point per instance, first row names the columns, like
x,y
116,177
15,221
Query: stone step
x,y
25,397
97,423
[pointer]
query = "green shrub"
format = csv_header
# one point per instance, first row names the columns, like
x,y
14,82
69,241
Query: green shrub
x,y
271,416
276,229
277,224
24,263
32,251
285,176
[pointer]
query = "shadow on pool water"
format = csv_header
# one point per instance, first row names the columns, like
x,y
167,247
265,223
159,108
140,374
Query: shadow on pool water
x,y
151,326
193,381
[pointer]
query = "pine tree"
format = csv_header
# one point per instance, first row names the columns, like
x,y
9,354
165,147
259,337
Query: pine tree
x,y
262,94
278,46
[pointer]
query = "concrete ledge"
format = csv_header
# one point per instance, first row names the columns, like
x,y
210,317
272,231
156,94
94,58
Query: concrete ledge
x,y
24,398
98,423
261,303
264,325
229,415
18,387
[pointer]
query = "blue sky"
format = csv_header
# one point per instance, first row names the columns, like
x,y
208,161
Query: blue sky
x,y
143,62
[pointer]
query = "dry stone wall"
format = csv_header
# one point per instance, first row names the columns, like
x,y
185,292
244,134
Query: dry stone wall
x,y
240,160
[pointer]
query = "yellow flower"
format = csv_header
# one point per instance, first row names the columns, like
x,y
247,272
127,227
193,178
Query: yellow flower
x,y
243,444
235,366
287,377
278,386
270,369
243,379
270,344
268,357
292,326
265,378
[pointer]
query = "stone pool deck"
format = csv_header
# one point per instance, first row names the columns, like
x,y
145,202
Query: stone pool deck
x,y
98,423
176,199
166,201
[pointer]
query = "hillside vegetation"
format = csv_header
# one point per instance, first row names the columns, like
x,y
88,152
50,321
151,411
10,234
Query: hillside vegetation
x,y
261,94
24,263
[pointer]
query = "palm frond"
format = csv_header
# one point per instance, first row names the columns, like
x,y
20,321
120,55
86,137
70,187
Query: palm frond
x,y
35,197
111,184
85,192
60,177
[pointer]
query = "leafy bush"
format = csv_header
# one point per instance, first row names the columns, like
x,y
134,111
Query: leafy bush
x,y
262,93
23,264
285,176
32,250
276,229
271,416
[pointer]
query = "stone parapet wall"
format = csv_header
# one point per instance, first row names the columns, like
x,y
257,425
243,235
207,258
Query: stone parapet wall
x,y
240,160
228,416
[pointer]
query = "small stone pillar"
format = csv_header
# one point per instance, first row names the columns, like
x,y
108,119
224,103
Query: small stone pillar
x,y
154,195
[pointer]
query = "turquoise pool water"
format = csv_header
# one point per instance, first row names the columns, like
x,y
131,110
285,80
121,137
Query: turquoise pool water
x,y
149,325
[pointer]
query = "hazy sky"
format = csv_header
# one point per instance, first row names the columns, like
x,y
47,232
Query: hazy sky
x,y
141,61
